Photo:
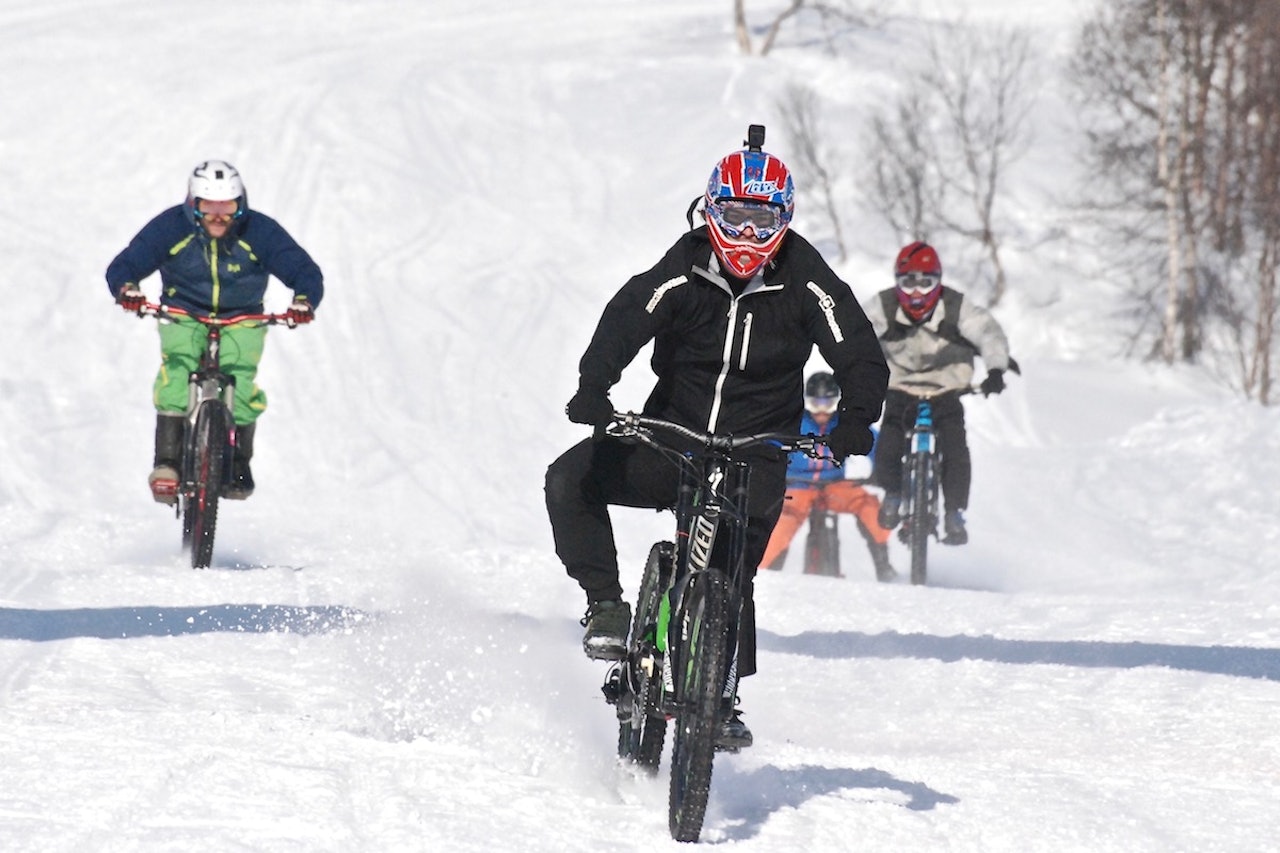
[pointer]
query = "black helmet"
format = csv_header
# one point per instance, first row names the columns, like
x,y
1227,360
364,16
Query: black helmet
x,y
821,393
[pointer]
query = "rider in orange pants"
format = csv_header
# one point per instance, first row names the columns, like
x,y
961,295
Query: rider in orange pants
x,y
812,480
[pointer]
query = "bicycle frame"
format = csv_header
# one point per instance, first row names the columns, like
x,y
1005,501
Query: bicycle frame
x,y
691,623
209,433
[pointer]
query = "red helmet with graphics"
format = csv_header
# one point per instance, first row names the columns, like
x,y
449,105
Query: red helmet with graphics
x,y
918,276
750,199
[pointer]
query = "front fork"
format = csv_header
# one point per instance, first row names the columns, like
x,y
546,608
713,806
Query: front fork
x,y
204,385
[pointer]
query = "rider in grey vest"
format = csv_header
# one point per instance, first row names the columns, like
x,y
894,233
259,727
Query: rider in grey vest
x,y
930,335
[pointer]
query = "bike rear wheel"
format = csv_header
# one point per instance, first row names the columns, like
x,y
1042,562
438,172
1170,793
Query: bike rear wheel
x,y
203,482
642,726
701,660
922,520
822,545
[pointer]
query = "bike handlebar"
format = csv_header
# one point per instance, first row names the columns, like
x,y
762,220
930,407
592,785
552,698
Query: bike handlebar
x,y
632,424
168,312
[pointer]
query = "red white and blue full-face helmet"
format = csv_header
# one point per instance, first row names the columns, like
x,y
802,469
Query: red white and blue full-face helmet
x,y
918,276
749,203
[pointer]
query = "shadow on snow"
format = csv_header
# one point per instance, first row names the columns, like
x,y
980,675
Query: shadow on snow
x,y
1241,661
769,789
123,623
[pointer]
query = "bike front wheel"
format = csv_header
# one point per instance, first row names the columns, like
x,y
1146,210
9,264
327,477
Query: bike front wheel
x,y
700,660
202,482
922,521
642,726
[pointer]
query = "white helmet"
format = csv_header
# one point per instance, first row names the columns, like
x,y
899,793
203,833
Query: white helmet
x,y
216,180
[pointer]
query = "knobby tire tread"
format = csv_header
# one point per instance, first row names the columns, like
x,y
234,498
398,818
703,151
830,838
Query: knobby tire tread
x,y
201,511
922,517
702,660
642,736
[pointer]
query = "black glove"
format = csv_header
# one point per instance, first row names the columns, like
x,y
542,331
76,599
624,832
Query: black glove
x,y
993,384
590,406
850,437
131,298
300,312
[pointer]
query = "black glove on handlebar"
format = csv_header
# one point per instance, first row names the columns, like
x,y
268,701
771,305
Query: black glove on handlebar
x,y
131,298
590,406
993,384
850,437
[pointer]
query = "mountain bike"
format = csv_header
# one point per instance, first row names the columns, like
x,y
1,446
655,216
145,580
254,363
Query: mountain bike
x,y
922,477
209,431
681,656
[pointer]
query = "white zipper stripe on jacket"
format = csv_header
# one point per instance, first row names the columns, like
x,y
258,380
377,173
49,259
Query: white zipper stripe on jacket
x,y
746,341
726,363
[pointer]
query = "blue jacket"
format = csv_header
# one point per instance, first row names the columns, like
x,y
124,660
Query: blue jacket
x,y
211,277
803,471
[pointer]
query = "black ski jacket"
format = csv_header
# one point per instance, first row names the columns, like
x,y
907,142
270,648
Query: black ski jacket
x,y
735,364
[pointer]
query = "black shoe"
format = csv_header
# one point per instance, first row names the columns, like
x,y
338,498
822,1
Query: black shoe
x,y
734,734
953,528
607,624
241,485
890,512
163,481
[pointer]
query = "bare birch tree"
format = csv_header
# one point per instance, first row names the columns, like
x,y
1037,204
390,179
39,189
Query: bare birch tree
x,y
982,79
939,155
847,12
809,154
1185,132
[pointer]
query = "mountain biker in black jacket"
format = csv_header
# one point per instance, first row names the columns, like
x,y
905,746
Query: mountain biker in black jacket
x,y
734,310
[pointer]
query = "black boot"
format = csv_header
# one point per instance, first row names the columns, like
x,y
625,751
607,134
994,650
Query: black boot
x,y
164,474
880,558
734,734
241,477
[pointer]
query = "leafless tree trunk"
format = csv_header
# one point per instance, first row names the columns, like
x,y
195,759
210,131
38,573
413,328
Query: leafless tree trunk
x,y
1167,174
840,10
740,25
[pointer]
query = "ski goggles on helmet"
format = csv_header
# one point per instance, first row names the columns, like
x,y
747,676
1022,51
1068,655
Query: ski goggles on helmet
x,y
919,282
821,405
218,211
734,215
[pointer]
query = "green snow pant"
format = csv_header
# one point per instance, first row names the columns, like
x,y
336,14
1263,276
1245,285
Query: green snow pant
x,y
181,343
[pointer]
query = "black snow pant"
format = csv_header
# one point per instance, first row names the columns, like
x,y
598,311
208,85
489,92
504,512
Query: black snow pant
x,y
594,474
952,444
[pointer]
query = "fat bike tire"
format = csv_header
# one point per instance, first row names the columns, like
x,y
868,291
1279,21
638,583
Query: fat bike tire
x,y
702,658
922,518
822,546
200,507
642,726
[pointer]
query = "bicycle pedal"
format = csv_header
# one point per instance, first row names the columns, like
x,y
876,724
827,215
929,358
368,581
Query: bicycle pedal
x,y
612,687
165,491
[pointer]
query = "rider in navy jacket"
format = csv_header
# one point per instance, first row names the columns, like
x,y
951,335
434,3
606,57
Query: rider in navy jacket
x,y
215,256
191,279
